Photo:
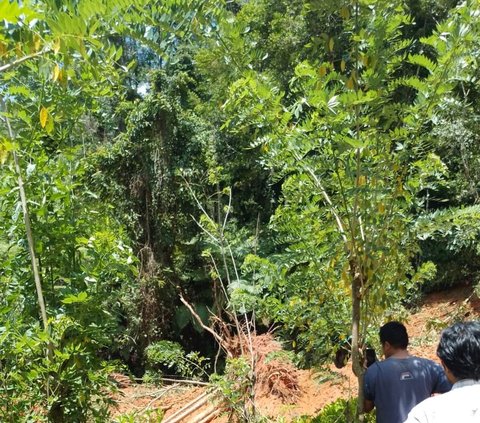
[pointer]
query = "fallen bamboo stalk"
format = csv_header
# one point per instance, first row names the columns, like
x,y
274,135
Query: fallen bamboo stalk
x,y
188,408
206,416
186,381
188,411
204,394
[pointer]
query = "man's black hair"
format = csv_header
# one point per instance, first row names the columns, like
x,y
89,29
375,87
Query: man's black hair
x,y
395,334
459,349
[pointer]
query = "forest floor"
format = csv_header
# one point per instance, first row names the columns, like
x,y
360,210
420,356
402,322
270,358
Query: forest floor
x,y
314,388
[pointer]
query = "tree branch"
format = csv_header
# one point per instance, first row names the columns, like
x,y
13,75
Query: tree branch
x,y
327,199
8,66
217,337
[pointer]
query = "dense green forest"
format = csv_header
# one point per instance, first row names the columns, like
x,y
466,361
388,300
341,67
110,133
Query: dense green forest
x,y
177,175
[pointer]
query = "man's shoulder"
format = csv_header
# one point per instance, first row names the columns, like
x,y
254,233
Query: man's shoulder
x,y
375,367
396,365
426,362
416,357
373,371
384,368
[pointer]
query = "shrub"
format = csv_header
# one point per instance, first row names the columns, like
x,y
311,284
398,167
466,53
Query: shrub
x,y
170,355
340,411
56,377
236,388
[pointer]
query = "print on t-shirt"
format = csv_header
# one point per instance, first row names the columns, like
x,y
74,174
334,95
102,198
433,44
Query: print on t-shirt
x,y
406,376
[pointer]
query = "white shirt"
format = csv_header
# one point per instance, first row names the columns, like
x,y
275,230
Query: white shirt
x,y
460,405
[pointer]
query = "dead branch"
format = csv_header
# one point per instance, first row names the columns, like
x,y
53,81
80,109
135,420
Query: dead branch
x,y
157,397
217,337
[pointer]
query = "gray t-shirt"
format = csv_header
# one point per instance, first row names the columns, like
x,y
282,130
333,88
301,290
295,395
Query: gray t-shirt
x,y
396,385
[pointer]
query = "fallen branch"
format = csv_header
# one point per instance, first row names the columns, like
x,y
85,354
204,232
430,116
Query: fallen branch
x,y
160,395
217,337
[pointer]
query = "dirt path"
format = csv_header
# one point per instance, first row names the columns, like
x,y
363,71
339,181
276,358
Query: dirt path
x,y
318,389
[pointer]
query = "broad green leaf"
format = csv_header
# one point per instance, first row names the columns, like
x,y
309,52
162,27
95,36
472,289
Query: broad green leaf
x,y
182,317
72,299
202,311
331,44
57,45
10,11
351,141
6,147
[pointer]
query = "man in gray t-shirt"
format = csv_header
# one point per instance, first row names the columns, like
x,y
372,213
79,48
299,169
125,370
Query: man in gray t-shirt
x,y
394,386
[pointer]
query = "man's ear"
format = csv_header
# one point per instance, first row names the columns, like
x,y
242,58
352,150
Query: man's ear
x,y
452,379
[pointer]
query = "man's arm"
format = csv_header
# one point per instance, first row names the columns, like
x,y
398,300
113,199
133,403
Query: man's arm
x,y
369,389
442,385
368,406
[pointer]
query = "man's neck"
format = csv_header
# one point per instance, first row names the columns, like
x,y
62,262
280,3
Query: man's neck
x,y
398,353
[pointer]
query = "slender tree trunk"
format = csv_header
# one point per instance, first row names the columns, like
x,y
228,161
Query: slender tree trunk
x,y
28,229
357,366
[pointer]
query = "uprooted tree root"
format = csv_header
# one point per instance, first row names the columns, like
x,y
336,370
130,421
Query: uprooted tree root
x,y
273,376
278,379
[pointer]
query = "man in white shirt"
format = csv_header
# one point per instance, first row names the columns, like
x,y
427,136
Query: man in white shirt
x,y
459,352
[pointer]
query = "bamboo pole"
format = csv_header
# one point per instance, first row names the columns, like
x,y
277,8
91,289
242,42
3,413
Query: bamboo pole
x,y
206,416
189,408
185,381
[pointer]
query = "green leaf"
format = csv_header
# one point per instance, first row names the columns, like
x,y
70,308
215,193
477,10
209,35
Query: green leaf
x,y
351,141
20,90
202,311
420,60
10,11
72,299
182,317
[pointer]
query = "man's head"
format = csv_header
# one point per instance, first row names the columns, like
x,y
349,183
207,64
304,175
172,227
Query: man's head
x,y
459,350
393,337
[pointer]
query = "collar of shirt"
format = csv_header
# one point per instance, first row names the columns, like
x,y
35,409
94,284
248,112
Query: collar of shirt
x,y
465,382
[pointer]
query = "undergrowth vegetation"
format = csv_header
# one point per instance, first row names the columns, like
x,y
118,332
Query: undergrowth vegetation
x,y
179,177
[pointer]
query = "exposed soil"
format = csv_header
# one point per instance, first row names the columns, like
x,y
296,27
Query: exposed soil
x,y
284,391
